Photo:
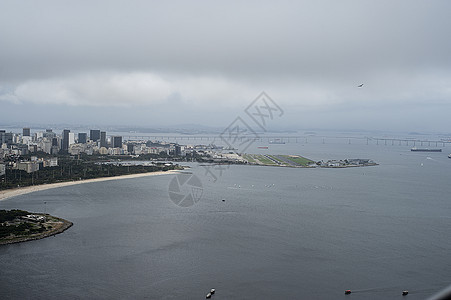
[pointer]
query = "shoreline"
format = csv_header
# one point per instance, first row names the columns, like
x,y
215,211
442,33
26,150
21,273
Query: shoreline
x,y
9,193
65,224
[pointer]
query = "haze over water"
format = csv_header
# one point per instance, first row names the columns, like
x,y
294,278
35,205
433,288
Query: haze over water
x,y
280,233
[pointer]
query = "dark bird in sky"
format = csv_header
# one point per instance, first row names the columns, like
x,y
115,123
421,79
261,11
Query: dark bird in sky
x,y
360,85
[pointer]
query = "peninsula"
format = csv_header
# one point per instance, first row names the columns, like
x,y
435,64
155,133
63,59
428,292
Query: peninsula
x,y
297,161
20,226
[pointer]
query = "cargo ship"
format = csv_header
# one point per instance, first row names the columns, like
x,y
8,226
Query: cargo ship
x,y
277,141
426,149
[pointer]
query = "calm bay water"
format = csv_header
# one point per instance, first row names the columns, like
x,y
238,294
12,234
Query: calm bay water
x,y
281,233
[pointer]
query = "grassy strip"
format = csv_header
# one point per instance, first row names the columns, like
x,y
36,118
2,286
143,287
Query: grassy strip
x,y
299,159
249,158
265,160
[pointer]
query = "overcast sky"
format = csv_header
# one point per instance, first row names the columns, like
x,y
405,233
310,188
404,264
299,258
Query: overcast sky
x,y
158,63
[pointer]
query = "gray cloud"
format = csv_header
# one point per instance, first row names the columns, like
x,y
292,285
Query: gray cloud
x,y
216,56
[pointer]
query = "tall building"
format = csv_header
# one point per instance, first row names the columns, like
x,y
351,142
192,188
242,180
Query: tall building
x,y
82,137
54,149
94,135
103,139
116,141
65,143
26,131
2,136
26,138
130,148
71,138
178,150
6,137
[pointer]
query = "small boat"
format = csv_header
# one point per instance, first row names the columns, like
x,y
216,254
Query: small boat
x,y
405,293
347,292
212,291
208,296
449,156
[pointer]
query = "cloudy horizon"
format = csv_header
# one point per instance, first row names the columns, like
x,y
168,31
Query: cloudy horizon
x,y
156,64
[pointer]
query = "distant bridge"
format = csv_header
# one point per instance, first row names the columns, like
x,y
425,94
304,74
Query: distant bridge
x,y
295,139
409,142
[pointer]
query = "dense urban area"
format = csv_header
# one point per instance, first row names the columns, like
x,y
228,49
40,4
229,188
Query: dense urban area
x,y
47,157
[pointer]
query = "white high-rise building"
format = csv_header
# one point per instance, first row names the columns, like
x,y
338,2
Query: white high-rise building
x,y
71,138
45,146
26,140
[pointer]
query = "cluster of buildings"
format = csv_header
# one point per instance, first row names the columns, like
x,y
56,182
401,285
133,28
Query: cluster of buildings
x,y
97,142
51,143
35,164
34,218
29,166
350,162
13,146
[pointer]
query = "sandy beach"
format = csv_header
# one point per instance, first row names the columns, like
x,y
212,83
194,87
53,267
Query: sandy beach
x,y
30,189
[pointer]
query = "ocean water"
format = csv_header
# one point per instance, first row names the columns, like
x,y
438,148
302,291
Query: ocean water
x,y
281,233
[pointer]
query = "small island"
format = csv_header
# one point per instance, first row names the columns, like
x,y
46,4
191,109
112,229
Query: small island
x,y
20,226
